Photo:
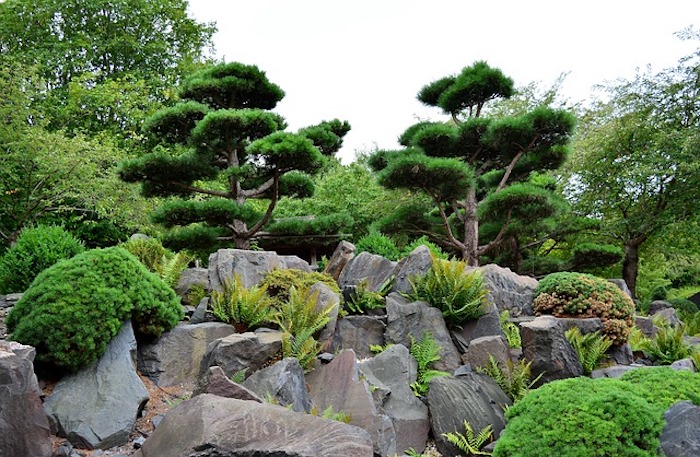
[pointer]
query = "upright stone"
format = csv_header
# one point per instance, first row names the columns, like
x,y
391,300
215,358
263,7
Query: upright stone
x,y
372,268
340,258
417,263
251,266
509,291
189,279
327,298
242,351
681,433
546,346
359,333
23,424
487,325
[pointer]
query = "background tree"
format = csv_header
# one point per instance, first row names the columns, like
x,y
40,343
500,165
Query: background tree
x,y
226,151
636,165
473,166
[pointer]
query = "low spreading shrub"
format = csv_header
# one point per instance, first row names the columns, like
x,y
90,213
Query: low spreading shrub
x,y
36,249
74,308
582,295
664,386
281,280
582,417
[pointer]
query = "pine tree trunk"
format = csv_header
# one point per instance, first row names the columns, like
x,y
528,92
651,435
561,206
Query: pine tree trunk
x,y
471,230
630,266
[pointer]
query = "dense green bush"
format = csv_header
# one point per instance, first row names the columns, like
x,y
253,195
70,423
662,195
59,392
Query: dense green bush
x,y
36,249
435,250
582,417
664,386
377,243
74,308
582,295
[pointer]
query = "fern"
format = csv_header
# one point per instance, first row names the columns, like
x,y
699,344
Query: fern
x,y
426,351
590,348
513,379
330,413
470,443
511,330
364,299
244,308
668,345
170,268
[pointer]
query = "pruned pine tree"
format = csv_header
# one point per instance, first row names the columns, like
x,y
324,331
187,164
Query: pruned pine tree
x,y
220,149
474,164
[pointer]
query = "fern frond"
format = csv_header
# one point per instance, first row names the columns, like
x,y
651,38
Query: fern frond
x,y
468,442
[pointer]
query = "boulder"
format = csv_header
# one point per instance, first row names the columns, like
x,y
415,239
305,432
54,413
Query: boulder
x,y
24,425
189,279
175,358
394,370
546,346
98,406
200,314
473,397
252,266
646,325
242,351
327,297
359,333
669,315
585,325
283,382
658,305
614,371
683,365
216,382
340,258
338,385
417,263
9,300
208,425
483,348
681,433
375,269
406,319
487,325
509,291
622,285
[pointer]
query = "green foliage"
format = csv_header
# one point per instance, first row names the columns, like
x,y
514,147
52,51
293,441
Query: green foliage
x,y
280,281
581,417
241,307
378,348
469,442
511,330
362,299
330,413
668,344
75,307
166,264
35,250
581,295
591,255
426,351
449,286
663,386
435,250
590,348
683,305
636,340
300,318
376,243
513,379
691,322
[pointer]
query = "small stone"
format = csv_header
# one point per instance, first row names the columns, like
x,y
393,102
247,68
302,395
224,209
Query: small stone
x,y
138,442
326,357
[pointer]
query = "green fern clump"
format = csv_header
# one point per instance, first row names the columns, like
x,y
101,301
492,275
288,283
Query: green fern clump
x,y
426,351
513,379
242,307
668,344
511,330
363,299
469,442
74,308
281,280
590,348
449,286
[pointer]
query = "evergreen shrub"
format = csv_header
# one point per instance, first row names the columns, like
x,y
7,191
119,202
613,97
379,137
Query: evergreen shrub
x,y
280,281
74,308
35,250
664,386
582,295
582,417
379,244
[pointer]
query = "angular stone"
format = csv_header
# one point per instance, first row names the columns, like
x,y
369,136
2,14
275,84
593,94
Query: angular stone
x,y
189,279
509,291
359,333
669,315
242,351
481,349
175,358
338,385
394,369
216,382
327,297
658,305
24,425
614,371
621,354
9,300
585,325
622,285
646,325
417,263
681,433
283,381
473,397
98,406
375,269
251,266
487,325
340,258
405,319
683,365
208,425
546,346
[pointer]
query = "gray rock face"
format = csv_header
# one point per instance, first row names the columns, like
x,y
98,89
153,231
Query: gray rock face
x,y
98,406
327,297
646,325
473,397
487,325
250,265
681,434
406,319
340,258
9,300
508,290
658,305
418,262
375,269
239,351
176,356
669,315
481,349
190,278
546,346
585,325
213,426
24,425
338,385
622,285
394,370
216,382
622,354
358,333
283,381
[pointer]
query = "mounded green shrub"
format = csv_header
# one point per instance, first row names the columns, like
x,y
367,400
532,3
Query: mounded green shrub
x,y
74,308
36,249
582,295
379,244
582,417
663,386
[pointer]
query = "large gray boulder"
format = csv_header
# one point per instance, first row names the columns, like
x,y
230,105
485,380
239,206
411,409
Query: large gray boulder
x,y
213,426
175,358
98,406
339,385
359,333
189,279
509,291
284,382
473,397
242,351
251,266
394,369
417,263
546,346
24,425
481,350
406,319
681,434
340,258
372,268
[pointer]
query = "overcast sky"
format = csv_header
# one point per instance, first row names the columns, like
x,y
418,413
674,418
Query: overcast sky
x,y
365,60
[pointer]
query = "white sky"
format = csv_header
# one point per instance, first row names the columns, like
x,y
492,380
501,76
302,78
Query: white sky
x,y
364,61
